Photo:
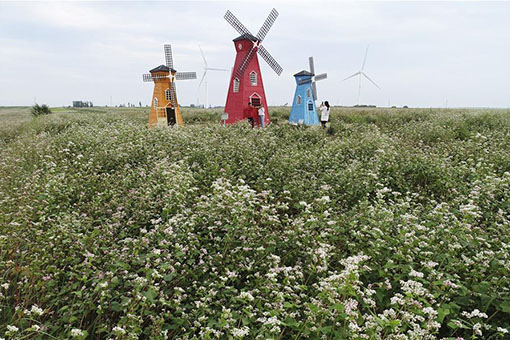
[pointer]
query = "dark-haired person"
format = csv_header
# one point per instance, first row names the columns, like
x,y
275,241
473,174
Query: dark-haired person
x,y
249,113
324,108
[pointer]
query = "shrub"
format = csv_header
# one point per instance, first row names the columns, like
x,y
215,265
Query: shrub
x,y
39,110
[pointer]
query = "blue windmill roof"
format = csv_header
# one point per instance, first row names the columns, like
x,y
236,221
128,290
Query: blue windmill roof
x,y
303,73
246,36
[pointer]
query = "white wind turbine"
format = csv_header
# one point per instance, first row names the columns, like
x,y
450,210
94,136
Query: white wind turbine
x,y
207,68
361,73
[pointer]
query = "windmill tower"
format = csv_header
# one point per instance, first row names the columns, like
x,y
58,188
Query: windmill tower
x,y
165,109
303,109
362,73
205,77
246,81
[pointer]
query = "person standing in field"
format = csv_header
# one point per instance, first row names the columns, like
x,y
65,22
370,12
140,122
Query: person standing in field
x,y
324,108
262,116
249,113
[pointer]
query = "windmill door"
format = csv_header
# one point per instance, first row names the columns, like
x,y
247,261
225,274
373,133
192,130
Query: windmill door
x,y
170,116
309,113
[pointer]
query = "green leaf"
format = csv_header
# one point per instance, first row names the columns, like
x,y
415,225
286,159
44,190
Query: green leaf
x,y
325,330
313,307
442,313
288,305
290,322
150,294
339,307
116,307
168,277
505,306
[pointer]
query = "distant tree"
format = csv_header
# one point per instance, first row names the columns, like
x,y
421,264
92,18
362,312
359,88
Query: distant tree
x,y
38,110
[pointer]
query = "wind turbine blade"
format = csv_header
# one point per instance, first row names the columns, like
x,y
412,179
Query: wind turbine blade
x,y
364,60
201,80
354,75
373,82
216,69
312,65
203,56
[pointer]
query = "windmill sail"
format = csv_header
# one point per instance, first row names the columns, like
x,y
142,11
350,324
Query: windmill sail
x,y
239,27
168,56
270,60
267,24
232,20
185,75
321,76
240,71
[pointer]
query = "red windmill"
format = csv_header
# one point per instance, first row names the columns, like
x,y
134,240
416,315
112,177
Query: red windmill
x,y
246,82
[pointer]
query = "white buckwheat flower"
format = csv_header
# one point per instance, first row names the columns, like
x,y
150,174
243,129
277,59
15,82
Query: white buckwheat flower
x,y
75,332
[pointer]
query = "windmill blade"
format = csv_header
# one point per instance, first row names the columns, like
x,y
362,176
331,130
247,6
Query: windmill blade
x,y
234,22
354,75
185,75
168,56
314,90
364,60
201,80
150,77
373,82
203,56
312,65
247,58
320,76
270,60
267,25
216,69
173,94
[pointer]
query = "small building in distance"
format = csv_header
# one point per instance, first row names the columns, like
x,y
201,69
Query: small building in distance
x,y
79,103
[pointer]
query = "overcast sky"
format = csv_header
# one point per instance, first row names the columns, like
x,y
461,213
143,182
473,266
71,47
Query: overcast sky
x,y
421,54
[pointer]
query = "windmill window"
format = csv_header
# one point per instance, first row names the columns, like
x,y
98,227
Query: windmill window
x,y
168,95
255,101
253,78
298,100
308,93
310,106
236,85
155,103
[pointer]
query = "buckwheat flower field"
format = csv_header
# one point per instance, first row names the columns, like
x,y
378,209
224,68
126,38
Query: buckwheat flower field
x,y
389,224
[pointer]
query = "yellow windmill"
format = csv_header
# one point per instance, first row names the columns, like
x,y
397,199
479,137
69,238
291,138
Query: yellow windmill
x,y
165,107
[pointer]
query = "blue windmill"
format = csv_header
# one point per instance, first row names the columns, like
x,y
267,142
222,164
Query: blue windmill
x,y
303,109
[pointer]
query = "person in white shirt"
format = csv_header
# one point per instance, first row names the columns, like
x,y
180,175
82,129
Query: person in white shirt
x,y
324,108
262,116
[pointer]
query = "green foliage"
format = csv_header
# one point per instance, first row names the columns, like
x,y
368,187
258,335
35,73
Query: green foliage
x,y
390,224
39,110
